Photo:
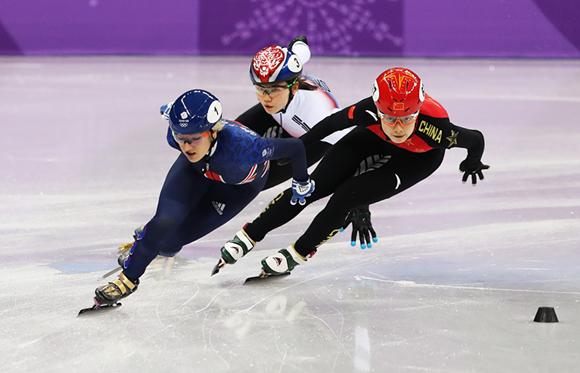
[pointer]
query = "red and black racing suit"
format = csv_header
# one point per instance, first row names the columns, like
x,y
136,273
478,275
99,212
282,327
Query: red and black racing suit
x,y
403,166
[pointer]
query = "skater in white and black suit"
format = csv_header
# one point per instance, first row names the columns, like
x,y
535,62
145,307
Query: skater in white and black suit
x,y
290,103
408,128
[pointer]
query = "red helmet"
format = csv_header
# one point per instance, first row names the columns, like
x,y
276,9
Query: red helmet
x,y
398,92
274,64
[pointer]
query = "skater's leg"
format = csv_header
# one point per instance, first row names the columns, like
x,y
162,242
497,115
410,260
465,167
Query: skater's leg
x,y
339,163
400,173
183,189
221,203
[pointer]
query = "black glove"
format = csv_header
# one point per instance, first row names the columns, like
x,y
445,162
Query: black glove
x,y
360,217
472,167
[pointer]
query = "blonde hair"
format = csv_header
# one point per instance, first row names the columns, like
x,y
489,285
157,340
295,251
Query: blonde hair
x,y
218,126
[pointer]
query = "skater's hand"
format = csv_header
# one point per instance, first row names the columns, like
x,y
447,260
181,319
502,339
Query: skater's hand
x,y
301,190
165,109
360,217
472,168
299,46
300,38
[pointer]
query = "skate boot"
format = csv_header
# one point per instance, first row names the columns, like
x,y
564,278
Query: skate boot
x,y
233,250
114,291
237,247
282,262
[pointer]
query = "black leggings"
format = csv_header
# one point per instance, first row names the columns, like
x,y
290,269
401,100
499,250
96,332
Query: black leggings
x,y
337,175
256,119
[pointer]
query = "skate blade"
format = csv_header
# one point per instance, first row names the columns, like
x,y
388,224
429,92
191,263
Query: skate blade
x,y
98,307
264,276
111,272
220,264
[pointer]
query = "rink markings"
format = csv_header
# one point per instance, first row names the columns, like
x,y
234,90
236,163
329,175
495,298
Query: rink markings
x,y
460,287
211,301
337,270
515,98
193,296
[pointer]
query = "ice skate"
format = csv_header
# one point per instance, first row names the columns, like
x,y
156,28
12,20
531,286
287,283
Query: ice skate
x,y
283,261
98,307
114,291
233,250
280,264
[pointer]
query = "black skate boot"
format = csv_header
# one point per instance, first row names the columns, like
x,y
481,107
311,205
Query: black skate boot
x,y
114,291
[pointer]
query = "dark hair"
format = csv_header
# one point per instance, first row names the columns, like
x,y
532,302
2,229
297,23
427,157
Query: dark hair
x,y
304,84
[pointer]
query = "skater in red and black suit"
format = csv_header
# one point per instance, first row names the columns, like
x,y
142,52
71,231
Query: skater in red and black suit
x,y
410,132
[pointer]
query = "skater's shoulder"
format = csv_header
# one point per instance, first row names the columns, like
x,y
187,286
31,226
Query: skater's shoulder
x,y
315,100
237,143
233,131
433,108
364,111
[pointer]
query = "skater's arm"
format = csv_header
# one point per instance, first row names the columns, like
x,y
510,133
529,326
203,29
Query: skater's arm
x,y
291,149
164,111
171,141
469,139
359,113
473,141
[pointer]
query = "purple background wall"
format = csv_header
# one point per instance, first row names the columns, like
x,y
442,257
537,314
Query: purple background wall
x,y
484,28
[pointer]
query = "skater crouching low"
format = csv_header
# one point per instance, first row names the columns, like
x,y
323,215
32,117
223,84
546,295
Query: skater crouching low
x,y
400,123
221,168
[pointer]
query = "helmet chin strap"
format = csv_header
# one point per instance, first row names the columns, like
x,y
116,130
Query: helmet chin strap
x,y
290,97
212,147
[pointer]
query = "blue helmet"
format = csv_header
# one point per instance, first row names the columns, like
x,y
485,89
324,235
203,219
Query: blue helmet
x,y
274,64
194,111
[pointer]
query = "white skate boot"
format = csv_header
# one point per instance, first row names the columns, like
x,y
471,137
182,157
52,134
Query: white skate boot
x,y
282,262
278,265
234,249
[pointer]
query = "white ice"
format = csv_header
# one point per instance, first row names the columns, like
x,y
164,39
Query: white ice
x,y
452,286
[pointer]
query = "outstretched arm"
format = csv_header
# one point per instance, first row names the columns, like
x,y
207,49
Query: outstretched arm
x,y
474,142
359,113
293,149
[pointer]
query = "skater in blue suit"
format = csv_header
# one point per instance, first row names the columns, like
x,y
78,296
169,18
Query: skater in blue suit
x,y
222,167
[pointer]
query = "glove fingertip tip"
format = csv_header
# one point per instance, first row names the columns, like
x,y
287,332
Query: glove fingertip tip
x,y
352,243
375,239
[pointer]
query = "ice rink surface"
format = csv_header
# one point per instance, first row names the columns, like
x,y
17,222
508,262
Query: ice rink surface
x,y
452,286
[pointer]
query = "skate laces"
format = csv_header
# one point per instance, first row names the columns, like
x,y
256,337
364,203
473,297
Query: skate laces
x,y
123,286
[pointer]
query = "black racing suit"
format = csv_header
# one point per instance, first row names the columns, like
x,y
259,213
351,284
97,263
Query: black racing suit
x,y
401,166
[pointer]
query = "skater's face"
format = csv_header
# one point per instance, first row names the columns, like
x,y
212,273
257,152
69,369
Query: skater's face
x,y
195,146
398,129
274,98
